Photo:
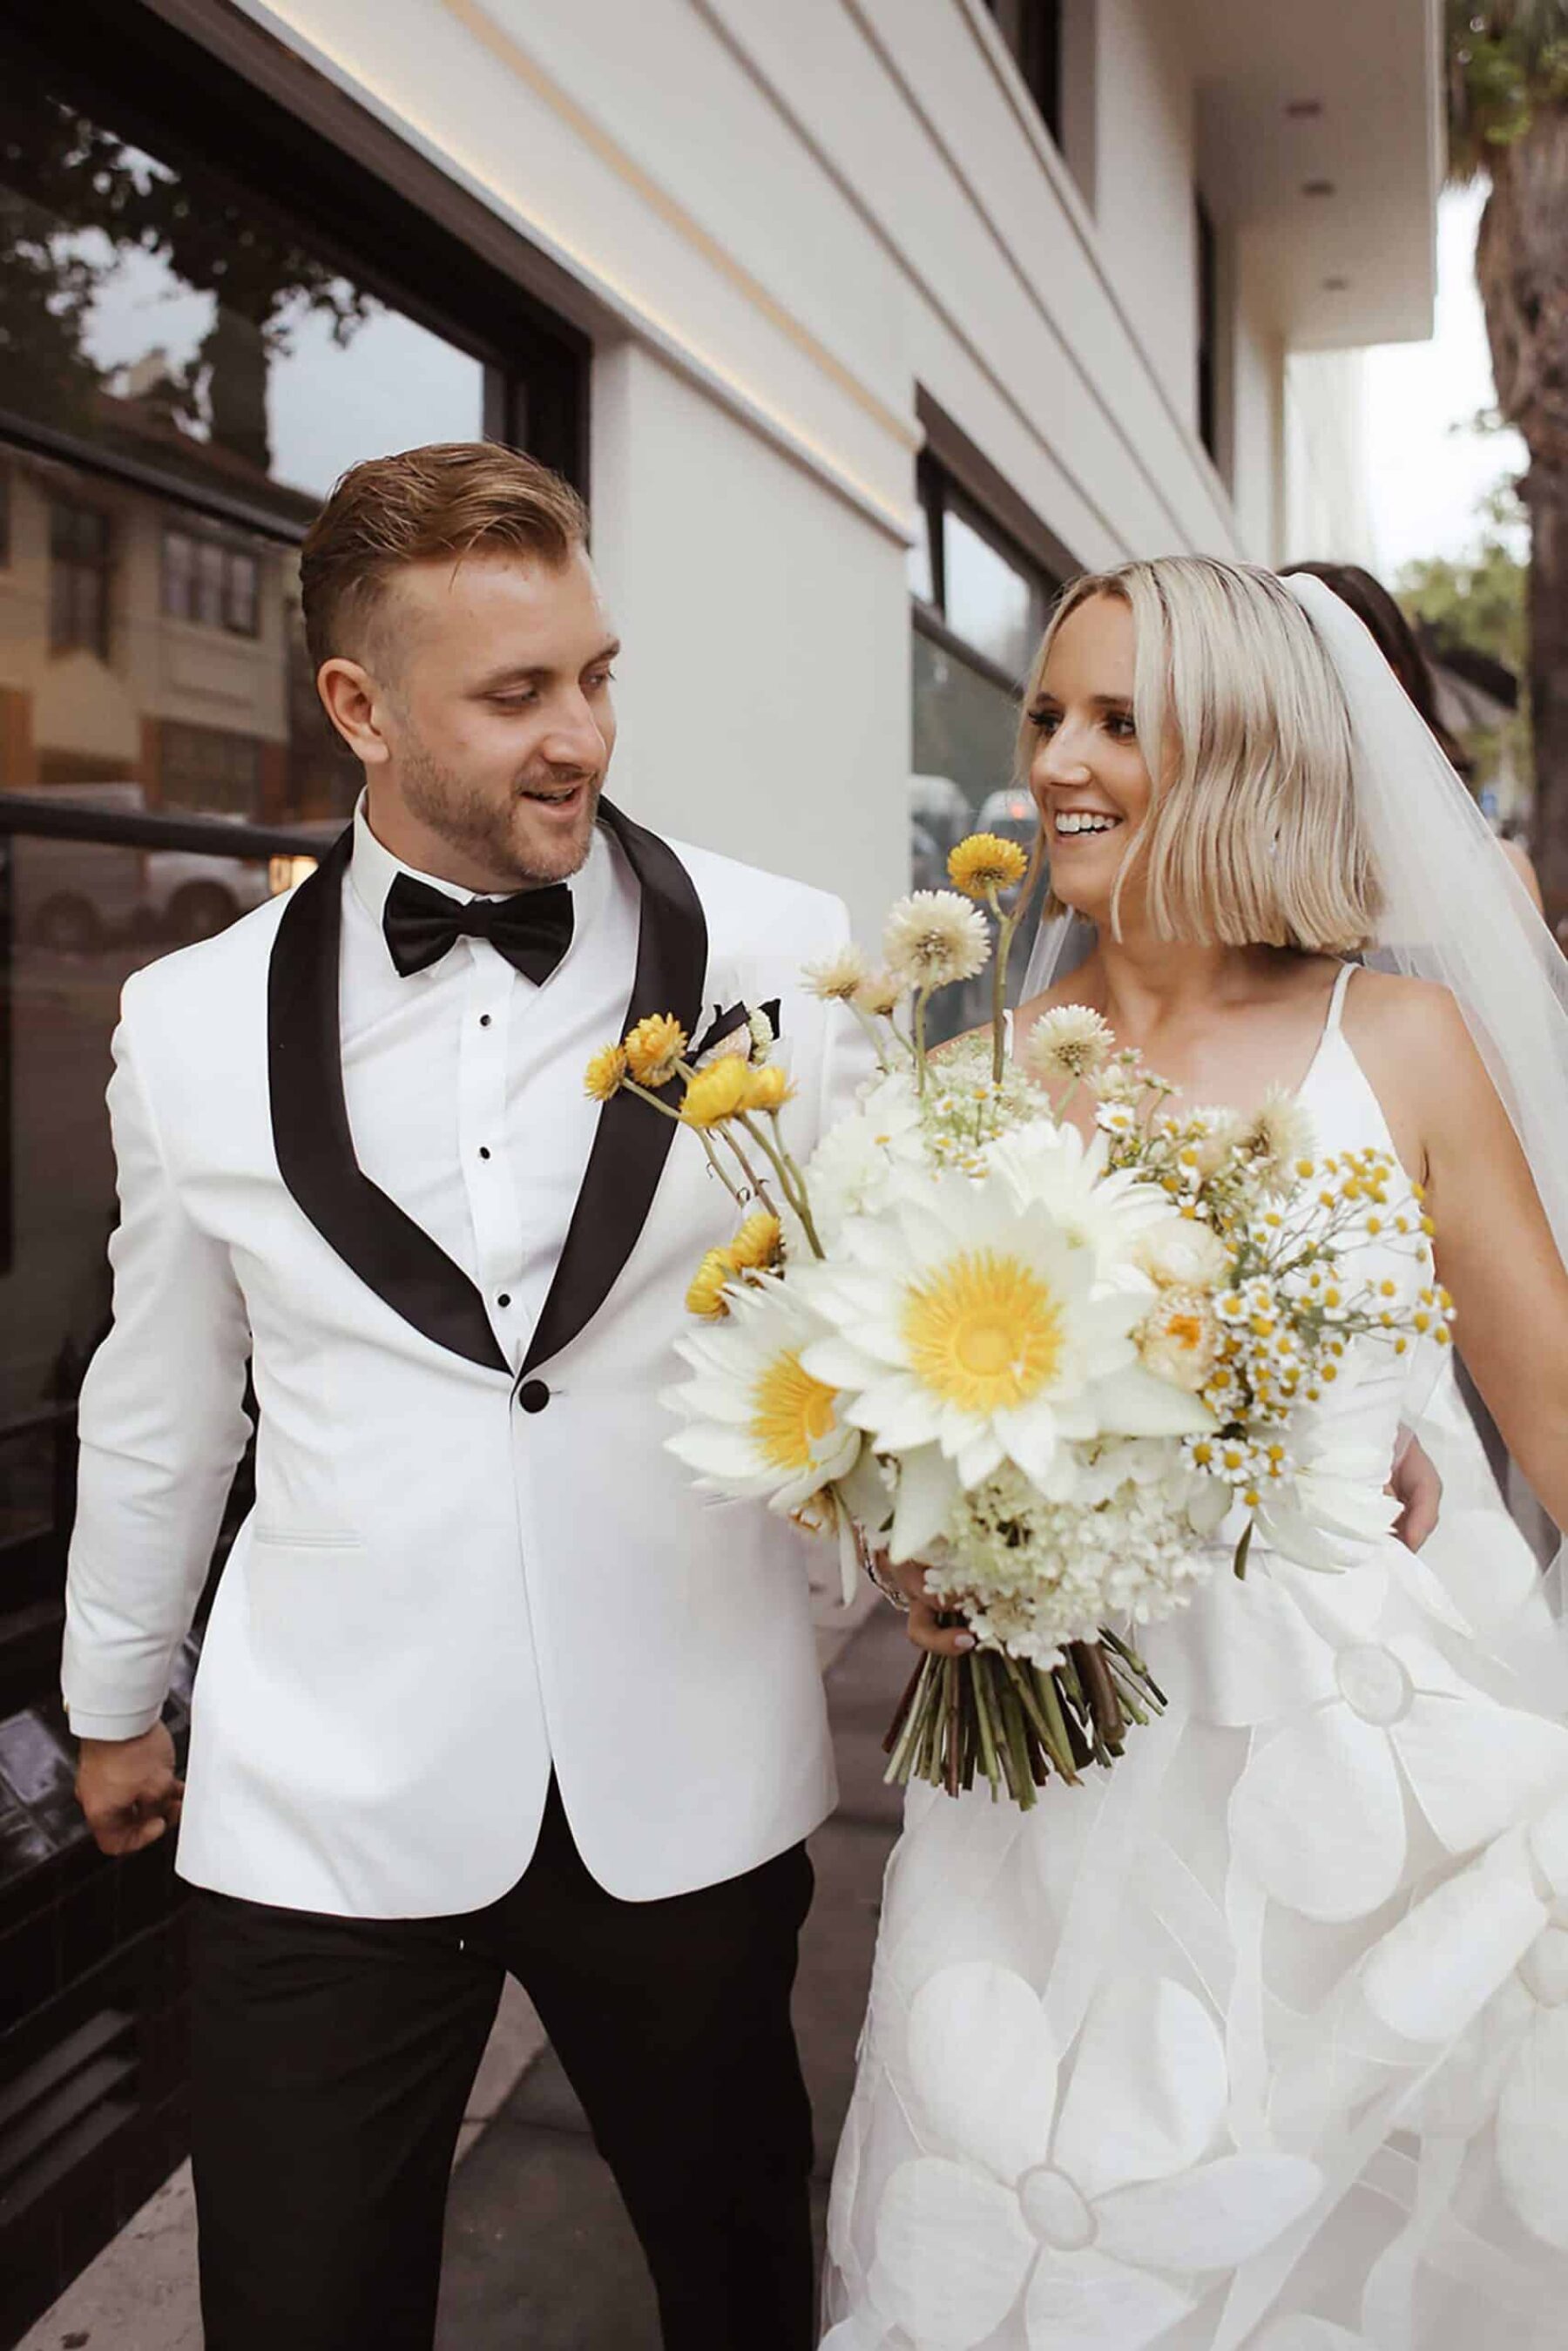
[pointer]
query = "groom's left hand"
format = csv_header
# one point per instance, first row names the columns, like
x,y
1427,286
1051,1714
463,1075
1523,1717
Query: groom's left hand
x,y
1418,1488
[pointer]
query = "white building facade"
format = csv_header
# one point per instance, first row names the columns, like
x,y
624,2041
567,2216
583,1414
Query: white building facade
x,y
1101,261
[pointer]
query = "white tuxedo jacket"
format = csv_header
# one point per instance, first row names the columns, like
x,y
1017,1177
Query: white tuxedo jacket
x,y
452,1577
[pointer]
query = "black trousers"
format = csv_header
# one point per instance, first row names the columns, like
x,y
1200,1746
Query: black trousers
x,y
333,2060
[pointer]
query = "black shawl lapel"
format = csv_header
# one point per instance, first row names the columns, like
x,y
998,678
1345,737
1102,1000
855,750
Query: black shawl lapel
x,y
632,1139
315,1149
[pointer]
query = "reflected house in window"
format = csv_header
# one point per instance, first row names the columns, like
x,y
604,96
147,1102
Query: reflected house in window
x,y
127,638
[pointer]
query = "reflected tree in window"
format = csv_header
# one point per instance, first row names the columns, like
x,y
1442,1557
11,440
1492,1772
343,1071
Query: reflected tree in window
x,y
64,177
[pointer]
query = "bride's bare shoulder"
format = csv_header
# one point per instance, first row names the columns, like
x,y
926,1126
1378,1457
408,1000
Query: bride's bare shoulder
x,y
1413,1024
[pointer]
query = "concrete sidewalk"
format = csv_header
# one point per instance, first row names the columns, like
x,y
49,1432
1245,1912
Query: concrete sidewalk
x,y
538,2252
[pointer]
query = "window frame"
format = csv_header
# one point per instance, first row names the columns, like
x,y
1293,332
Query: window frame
x,y
938,493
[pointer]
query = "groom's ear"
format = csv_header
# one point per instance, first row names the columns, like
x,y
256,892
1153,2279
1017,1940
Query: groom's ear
x,y
354,702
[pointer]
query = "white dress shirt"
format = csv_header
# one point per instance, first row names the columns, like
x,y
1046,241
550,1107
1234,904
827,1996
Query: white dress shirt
x,y
464,1081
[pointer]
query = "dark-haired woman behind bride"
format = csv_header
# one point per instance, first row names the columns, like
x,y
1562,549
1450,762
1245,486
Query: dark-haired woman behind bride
x,y
1261,2042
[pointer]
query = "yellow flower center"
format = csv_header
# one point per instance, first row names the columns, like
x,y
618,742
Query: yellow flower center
x,y
791,1412
985,1333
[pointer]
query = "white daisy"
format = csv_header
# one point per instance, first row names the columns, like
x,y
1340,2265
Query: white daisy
x,y
968,1332
758,1426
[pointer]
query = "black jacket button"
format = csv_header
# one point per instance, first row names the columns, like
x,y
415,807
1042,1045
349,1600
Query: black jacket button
x,y
533,1396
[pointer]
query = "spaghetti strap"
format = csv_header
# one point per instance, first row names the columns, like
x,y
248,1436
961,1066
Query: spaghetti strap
x,y
1336,1000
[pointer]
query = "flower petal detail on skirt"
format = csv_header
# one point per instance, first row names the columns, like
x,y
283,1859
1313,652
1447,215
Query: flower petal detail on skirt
x,y
1318,1816
1148,2091
952,2252
1082,2302
1212,2218
983,2064
1533,2130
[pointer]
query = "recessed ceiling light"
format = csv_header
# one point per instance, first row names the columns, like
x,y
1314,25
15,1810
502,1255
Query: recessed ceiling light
x,y
1317,188
1304,109
1336,285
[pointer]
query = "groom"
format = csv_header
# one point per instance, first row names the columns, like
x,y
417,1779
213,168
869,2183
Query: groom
x,y
486,1686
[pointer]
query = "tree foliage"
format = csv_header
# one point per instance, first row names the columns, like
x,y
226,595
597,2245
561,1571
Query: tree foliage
x,y
1507,60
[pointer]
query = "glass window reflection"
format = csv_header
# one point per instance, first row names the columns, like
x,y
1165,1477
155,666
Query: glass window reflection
x,y
988,600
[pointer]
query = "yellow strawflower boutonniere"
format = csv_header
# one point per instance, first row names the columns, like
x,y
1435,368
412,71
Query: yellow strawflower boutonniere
x,y
654,1050
767,1088
705,1297
718,1093
604,1073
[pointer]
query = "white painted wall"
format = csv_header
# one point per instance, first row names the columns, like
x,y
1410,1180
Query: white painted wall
x,y
763,693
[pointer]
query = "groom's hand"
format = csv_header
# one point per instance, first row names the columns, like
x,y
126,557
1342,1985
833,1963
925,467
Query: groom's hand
x,y
127,1789
1418,1489
923,1623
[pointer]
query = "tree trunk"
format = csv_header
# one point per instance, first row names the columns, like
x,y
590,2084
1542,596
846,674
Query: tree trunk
x,y
1522,265
1546,497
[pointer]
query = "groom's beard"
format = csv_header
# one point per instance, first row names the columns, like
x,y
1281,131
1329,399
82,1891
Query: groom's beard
x,y
503,837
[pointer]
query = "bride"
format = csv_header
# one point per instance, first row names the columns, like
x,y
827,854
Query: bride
x,y
1259,2042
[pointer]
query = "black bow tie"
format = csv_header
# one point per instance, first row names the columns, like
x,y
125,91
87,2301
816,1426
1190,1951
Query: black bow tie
x,y
532,928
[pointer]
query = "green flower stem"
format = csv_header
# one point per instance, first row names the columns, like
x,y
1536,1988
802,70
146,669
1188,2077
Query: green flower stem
x,y
952,1757
998,988
789,1182
921,996
1036,1692
984,1730
1018,1749
758,1184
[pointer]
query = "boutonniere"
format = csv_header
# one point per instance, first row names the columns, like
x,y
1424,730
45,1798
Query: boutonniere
x,y
759,1024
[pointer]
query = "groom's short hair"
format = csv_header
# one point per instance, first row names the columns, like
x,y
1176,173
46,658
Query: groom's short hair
x,y
449,499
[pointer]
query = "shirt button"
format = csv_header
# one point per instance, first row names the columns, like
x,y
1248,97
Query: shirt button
x,y
483,1151
504,1299
533,1396
484,1020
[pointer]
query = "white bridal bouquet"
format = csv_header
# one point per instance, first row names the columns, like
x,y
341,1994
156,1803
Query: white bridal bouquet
x,y
1052,1368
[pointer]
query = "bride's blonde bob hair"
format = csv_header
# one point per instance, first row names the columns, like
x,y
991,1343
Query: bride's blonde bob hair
x,y
1252,837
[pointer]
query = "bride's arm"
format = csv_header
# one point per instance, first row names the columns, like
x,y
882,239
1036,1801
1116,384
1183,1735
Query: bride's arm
x,y
1495,1249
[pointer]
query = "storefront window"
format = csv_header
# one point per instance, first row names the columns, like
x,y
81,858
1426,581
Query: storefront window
x,y
203,358
979,608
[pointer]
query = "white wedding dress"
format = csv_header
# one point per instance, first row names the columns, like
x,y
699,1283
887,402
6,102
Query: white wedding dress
x,y
1260,2040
